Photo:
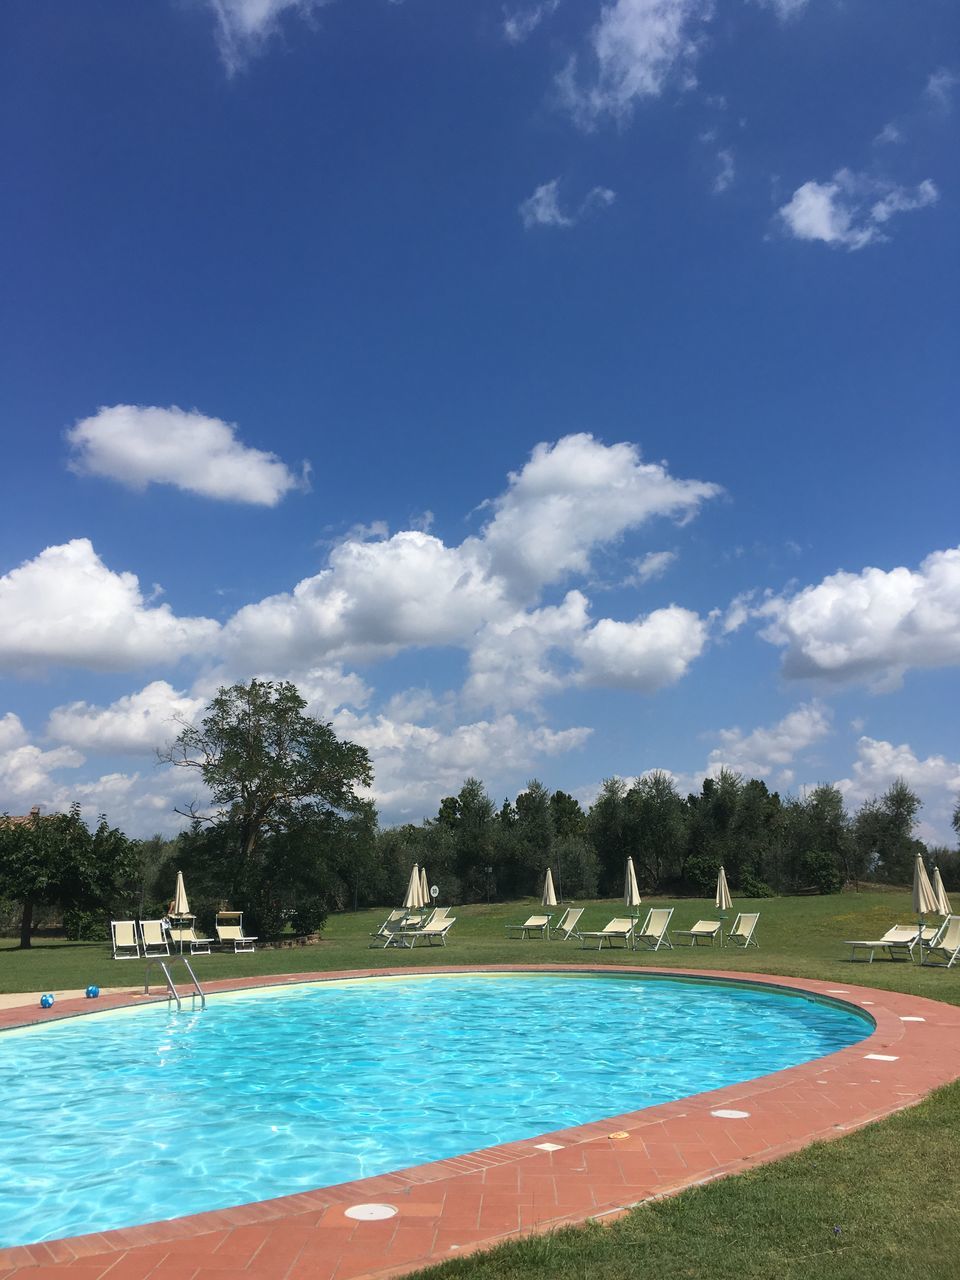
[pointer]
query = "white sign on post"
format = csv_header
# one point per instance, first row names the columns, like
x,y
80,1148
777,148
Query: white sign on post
x,y
434,891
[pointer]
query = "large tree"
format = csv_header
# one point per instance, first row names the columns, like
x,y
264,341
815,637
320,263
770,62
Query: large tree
x,y
281,780
55,860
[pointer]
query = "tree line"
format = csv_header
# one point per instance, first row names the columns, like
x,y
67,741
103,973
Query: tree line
x,y
291,837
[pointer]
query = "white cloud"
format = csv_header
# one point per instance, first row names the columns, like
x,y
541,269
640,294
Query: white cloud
x,y
138,723
888,135
935,779
415,765
784,9
940,86
870,626
851,209
521,23
66,607
375,598
12,732
653,565
139,445
762,751
243,27
726,172
574,496
542,209
25,774
645,654
637,48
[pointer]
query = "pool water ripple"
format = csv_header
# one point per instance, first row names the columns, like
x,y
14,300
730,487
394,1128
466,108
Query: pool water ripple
x,y
135,1116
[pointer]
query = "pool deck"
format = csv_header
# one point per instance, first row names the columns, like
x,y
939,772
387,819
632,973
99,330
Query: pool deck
x,y
600,1170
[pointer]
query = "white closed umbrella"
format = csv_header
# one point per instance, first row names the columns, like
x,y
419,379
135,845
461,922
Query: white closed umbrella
x,y
180,907
549,898
924,899
943,902
412,898
424,887
631,890
723,901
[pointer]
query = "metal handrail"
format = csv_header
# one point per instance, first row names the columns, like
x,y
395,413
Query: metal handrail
x,y
171,985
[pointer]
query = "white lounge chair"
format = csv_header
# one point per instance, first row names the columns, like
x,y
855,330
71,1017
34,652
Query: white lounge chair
x,y
898,942
229,928
618,930
126,944
654,934
945,946
153,936
435,931
567,928
702,931
533,924
741,935
183,933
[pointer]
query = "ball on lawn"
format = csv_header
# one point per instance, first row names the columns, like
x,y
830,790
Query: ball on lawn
x,y
46,1001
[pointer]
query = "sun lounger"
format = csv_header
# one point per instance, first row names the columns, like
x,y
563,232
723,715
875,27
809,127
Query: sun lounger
x,y
229,929
126,944
436,931
654,934
567,928
945,946
898,942
741,935
183,933
702,931
534,924
619,930
153,936
393,918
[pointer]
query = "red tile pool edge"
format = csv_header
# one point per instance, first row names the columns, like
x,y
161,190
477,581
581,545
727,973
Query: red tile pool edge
x,y
453,1207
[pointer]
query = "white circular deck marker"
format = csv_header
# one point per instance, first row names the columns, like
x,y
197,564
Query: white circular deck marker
x,y
730,1115
370,1212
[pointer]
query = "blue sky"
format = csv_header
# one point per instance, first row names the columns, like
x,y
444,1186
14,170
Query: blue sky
x,y
550,389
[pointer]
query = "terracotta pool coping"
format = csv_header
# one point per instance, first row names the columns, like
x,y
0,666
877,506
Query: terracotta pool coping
x,y
453,1207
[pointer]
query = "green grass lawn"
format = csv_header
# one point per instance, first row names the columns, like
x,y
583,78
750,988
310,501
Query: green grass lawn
x,y
893,1189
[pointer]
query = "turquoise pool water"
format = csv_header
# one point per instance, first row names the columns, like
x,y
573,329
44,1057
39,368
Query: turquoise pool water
x,y
134,1116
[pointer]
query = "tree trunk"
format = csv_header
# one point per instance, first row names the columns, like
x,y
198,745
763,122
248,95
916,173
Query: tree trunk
x,y
26,924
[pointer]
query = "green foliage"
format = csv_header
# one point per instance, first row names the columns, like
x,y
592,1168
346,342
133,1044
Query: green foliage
x,y
290,825
819,870
55,859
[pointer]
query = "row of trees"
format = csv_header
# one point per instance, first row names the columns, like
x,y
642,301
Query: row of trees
x,y
290,837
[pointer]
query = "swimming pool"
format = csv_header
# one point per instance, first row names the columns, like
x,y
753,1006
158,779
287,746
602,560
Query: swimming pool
x,y
138,1115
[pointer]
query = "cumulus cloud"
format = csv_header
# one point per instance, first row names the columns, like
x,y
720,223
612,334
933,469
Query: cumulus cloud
x,y
415,765
25,769
139,445
636,49
542,209
935,779
851,210
645,654
138,723
411,589
521,23
574,496
762,751
66,607
889,135
870,626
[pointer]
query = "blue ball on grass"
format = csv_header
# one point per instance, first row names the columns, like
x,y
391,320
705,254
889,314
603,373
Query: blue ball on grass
x,y
46,1001
92,992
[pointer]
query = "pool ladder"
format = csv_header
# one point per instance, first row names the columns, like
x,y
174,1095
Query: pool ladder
x,y
173,994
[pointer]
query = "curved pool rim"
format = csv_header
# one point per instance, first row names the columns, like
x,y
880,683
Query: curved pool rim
x,y
914,1047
